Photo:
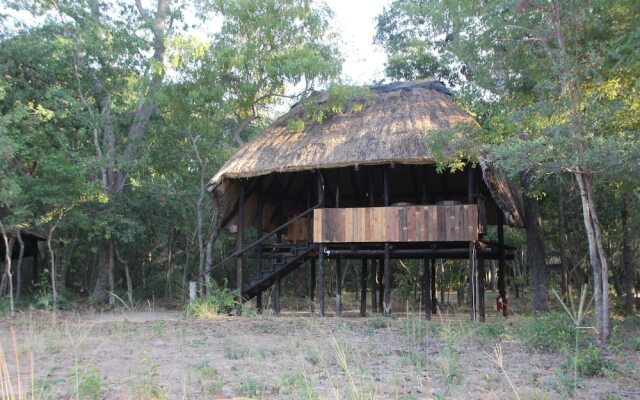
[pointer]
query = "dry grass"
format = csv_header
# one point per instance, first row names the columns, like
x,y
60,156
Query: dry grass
x,y
134,356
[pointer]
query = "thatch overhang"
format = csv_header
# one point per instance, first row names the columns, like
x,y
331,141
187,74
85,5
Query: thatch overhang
x,y
390,128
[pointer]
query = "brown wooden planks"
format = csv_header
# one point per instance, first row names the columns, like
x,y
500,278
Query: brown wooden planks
x,y
396,224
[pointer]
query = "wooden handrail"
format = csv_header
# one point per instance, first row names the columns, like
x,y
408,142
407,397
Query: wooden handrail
x,y
259,241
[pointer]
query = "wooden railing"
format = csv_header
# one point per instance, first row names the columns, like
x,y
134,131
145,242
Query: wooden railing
x,y
432,223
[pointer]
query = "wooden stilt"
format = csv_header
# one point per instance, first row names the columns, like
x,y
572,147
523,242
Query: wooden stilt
x,y
502,284
259,302
363,288
387,280
481,310
373,274
321,279
434,298
426,289
240,241
338,287
387,266
320,286
276,297
312,283
380,287
473,282
373,278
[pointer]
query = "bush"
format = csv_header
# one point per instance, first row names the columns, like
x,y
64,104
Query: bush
x,y
590,362
221,302
550,331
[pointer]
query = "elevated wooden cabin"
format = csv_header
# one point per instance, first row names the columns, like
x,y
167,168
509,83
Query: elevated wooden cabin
x,y
361,184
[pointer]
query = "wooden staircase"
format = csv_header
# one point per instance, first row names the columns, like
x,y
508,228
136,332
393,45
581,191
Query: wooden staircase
x,y
286,258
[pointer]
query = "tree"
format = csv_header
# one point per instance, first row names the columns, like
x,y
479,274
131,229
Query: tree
x,y
568,71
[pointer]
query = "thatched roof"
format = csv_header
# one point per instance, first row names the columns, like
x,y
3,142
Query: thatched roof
x,y
390,127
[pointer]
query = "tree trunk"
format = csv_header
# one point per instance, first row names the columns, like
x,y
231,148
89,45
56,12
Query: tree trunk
x,y
597,256
627,261
127,275
167,289
8,245
19,266
52,260
564,267
116,175
536,258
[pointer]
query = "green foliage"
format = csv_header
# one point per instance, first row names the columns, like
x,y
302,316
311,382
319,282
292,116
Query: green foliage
x,y
590,362
89,384
551,331
297,384
234,350
221,301
376,323
251,387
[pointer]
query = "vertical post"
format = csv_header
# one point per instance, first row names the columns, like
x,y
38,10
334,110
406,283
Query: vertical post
x,y
481,311
338,259
473,282
434,298
373,262
374,285
338,286
380,287
260,206
259,301
312,283
502,287
240,241
320,185
321,279
473,273
426,289
276,297
363,288
387,266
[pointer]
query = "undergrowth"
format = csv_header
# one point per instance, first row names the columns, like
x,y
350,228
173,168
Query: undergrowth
x,y
221,301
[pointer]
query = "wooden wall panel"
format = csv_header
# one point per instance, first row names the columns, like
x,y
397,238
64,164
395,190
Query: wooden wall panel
x,y
437,223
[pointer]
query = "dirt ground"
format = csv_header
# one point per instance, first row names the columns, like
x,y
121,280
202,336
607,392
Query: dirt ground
x,y
162,355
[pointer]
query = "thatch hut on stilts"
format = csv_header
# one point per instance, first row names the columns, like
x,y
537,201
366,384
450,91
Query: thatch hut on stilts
x,y
362,184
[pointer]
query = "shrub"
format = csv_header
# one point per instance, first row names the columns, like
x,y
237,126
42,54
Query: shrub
x,y
221,302
590,362
550,331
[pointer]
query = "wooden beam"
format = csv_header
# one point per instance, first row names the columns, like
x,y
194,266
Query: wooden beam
x,y
426,288
321,279
320,192
240,241
387,266
276,296
434,297
481,310
502,284
259,302
380,286
338,286
363,288
374,285
312,282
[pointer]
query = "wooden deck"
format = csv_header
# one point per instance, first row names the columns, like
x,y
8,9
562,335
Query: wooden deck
x,y
433,223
